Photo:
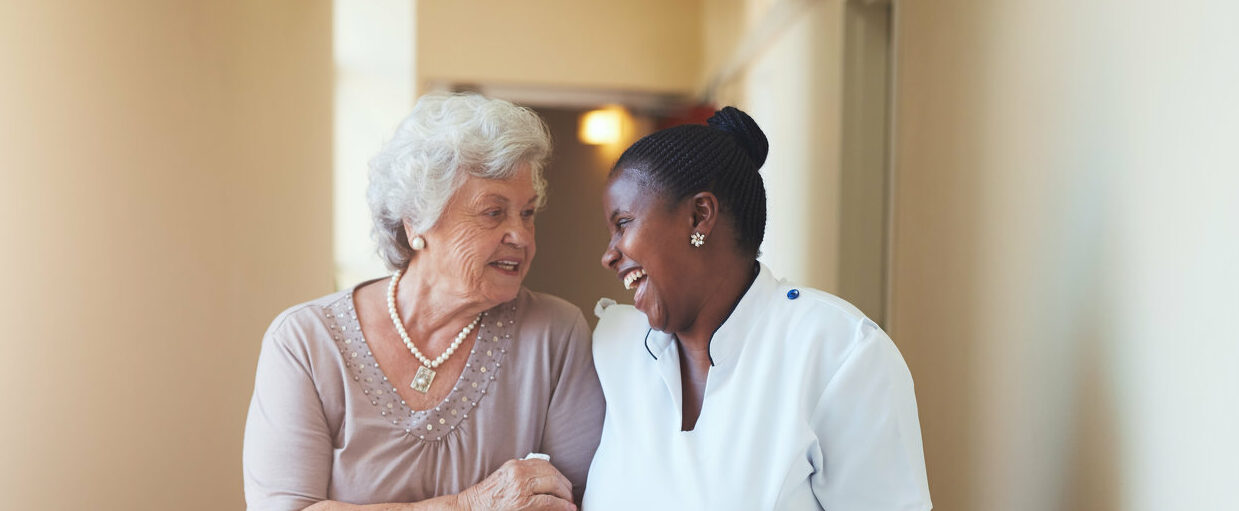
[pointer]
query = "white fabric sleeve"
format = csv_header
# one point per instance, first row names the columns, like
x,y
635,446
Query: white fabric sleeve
x,y
600,308
287,451
574,417
869,434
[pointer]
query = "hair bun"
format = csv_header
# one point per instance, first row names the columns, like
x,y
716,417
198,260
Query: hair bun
x,y
745,130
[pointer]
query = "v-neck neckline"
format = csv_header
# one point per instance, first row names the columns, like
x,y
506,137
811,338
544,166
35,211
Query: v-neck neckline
x,y
485,361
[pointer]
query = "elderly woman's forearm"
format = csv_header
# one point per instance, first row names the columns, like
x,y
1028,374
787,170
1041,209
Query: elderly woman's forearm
x,y
444,503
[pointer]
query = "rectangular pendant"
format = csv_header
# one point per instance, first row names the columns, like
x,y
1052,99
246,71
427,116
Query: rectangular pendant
x,y
421,380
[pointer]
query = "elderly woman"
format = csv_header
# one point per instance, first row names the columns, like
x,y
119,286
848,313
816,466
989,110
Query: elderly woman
x,y
727,388
429,389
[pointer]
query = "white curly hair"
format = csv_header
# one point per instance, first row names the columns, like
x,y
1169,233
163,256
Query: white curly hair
x,y
444,139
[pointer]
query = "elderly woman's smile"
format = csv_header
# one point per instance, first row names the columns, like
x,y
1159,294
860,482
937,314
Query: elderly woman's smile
x,y
507,266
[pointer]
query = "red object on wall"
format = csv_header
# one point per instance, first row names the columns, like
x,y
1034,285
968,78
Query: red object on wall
x,y
696,114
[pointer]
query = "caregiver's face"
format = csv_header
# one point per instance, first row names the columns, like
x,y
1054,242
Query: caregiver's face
x,y
648,250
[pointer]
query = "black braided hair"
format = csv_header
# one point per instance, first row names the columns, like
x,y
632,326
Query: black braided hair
x,y
721,158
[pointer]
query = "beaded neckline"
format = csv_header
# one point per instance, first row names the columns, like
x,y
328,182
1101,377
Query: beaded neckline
x,y
485,360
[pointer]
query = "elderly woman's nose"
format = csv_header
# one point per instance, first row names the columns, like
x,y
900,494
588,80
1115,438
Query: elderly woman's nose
x,y
519,232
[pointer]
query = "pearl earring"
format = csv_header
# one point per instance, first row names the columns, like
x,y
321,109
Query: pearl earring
x,y
418,243
697,239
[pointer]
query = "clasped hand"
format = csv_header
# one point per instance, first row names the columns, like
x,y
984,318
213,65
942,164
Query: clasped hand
x,y
520,485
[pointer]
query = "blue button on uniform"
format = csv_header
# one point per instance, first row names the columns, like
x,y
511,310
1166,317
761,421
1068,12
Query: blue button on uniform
x,y
793,294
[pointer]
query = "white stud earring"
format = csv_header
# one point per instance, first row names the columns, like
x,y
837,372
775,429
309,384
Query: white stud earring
x,y
697,239
418,243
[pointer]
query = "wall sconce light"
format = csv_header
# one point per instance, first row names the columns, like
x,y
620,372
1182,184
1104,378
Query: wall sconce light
x,y
603,126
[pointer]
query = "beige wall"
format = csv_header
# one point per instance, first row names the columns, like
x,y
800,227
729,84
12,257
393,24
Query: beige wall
x,y
373,47
644,45
787,62
803,170
1065,248
166,192
812,73
864,149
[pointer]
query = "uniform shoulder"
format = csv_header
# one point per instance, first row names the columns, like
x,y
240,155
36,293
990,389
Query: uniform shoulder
x,y
617,338
810,297
824,308
618,321
789,296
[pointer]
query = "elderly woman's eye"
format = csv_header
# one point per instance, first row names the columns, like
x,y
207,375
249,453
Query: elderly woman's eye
x,y
528,213
494,213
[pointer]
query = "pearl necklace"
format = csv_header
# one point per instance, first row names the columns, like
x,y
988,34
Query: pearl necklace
x,y
425,373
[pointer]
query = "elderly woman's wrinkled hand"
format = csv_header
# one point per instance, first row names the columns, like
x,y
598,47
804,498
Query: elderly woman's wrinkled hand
x,y
518,485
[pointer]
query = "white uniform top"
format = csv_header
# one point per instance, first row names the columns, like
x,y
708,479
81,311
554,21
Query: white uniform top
x,y
808,405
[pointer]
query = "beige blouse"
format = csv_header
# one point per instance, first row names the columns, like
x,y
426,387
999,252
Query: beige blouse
x,y
325,424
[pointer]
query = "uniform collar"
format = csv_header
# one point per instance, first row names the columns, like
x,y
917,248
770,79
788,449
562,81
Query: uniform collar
x,y
729,338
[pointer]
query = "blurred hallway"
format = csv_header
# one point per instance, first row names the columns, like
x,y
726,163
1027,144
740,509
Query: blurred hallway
x,y
1037,199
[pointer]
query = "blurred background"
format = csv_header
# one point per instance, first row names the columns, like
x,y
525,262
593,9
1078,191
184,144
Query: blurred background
x,y
1039,200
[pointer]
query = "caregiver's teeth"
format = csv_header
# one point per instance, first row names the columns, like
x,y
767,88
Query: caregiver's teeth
x,y
632,277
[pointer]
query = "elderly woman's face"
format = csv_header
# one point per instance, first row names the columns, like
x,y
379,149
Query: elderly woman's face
x,y
484,241
649,251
